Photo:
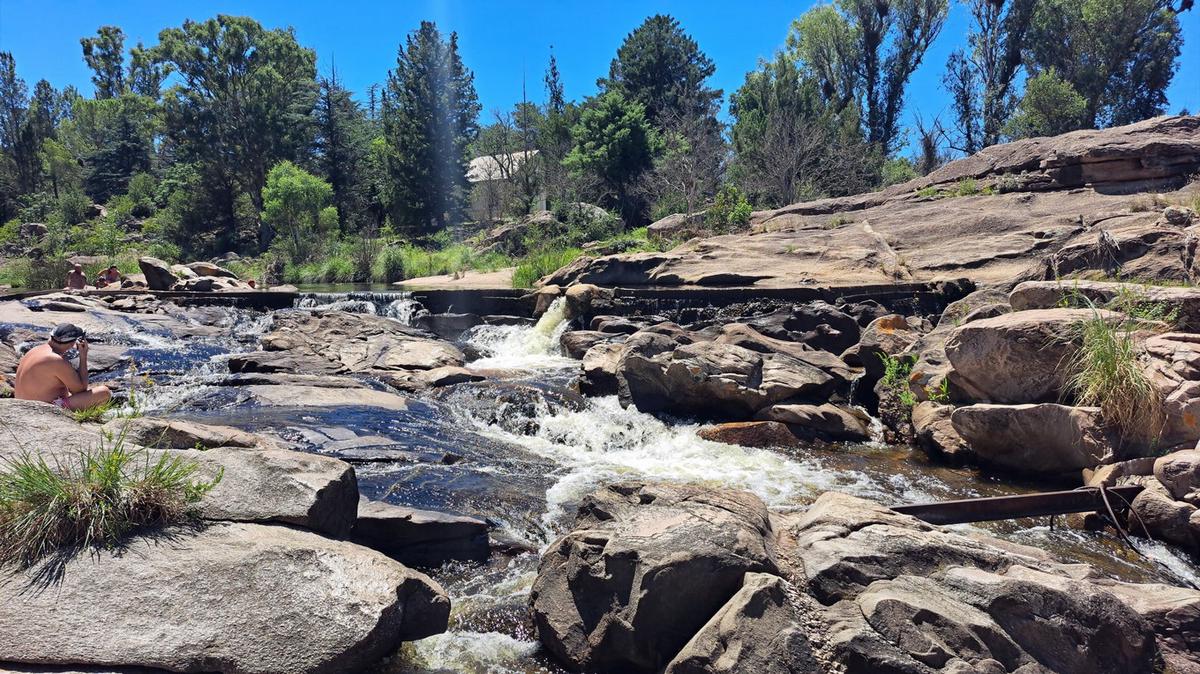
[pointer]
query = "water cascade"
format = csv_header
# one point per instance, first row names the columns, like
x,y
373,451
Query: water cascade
x,y
398,305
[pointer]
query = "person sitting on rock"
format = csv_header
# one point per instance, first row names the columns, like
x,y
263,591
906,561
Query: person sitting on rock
x,y
111,275
45,374
76,280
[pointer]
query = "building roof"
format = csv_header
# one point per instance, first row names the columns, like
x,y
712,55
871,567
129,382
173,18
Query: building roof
x,y
496,167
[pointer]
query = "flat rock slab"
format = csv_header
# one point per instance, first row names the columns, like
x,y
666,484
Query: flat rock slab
x,y
321,396
178,434
420,537
228,598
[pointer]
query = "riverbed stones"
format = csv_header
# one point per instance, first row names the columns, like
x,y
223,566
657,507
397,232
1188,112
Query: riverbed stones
x,y
644,569
419,537
576,343
599,366
934,431
751,434
1166,519
825,421
1179,472
229,597
1020,357
818,324
1043,439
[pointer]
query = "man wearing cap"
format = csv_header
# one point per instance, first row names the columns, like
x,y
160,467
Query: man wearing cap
x,y
45,374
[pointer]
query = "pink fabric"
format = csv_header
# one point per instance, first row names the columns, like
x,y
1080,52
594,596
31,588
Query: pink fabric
x,y
61,402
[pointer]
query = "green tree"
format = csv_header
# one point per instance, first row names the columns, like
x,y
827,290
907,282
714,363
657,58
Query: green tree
x,y
105,55
243,103
429,123
792,142
865,51
293,203
662,68
1049,107
614,142
554,134
122,146
1120,55
981,77
60,166
18,143
342,144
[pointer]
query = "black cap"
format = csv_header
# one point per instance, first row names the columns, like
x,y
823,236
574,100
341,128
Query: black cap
x,y
66,333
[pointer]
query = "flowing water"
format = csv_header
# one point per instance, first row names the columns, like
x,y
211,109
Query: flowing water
x,y
525,470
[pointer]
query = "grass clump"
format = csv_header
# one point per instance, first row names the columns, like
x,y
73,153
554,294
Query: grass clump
x,y
896,370
1106,372
93,501
539,264
966,187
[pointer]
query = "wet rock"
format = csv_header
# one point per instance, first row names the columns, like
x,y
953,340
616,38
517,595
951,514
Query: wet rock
x,y
158,273
644,569
287,395
1179,472
1166,519
822,421
584,300
277,485
448,326
761,629
1018,357
1114,474
178,434
226,598
335,342
818,324
419,537
1045,438
617,325
544,297
599,366
751,434
576,343
517,407
934,431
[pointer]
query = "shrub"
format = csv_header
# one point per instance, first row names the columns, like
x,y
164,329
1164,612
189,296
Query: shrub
x,y
16,273
389,265
541,263
338,269
93,501
73,208
729,209
895,377
47,274
1106,372
10,232
966,187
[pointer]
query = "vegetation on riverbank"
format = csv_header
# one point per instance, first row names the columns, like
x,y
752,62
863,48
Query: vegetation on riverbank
x,y
93,499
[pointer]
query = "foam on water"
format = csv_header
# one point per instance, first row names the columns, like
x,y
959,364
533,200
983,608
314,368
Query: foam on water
x,y
519,347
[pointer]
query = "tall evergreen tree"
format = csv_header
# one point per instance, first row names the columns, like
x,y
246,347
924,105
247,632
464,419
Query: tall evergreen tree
x,y
662,68
617,144
123,146
105,55
342,144
429,123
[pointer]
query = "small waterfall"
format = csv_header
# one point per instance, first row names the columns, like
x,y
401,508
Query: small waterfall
x,y
522,346
397,305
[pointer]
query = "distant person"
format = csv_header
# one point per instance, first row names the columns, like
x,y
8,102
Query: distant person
x,y
45,374
111,275
76,280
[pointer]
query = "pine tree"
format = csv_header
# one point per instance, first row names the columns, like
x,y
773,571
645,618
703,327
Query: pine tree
x,y
105,55
429,123
342,144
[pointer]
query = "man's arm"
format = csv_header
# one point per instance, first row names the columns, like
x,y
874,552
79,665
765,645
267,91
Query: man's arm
x,y
76,380
83,368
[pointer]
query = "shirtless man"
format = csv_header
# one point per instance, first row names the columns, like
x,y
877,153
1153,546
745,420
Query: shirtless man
x,y
45,374
76,280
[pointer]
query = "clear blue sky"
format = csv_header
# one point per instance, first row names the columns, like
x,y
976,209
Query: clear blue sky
x,y
500,41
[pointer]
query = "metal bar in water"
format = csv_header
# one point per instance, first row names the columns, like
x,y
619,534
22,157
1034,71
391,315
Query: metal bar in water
x,y
1022,505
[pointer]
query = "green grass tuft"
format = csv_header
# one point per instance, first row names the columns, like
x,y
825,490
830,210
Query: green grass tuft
x,y
93,501
541,263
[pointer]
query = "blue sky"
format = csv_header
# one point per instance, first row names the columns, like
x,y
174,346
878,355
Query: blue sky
x,y
500,41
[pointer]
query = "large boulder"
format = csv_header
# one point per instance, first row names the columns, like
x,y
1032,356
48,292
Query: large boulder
x,y
1166,519
934,431
1045,438
751,434
886,337
226,598
420,537
599,365
676,227
1173,369
644,568
158,273
335,342
1020,357
1179,472
825,421
1182,303
211,269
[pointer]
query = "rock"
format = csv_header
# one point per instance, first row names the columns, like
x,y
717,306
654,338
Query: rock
x,y
932,368
584,300
761,629
419,537
211,269
616,325
1174,372
544,297
1179,472
320,395
599,366
751,434
644,569
824,421
43,428
676,227
1019,357
209,284
1180,216
179,434
1046,438
183,272
336,342
934,431
1183,301
32,231
226,598
576,343
517,407
447,326
277,485
1114,474
1173,613
887,336
158,273
1164,518
817,324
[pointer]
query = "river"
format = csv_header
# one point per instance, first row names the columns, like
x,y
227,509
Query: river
x,y
527,477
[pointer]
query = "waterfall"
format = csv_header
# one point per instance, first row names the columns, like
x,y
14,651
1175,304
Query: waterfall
x,y
397,305
522,346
